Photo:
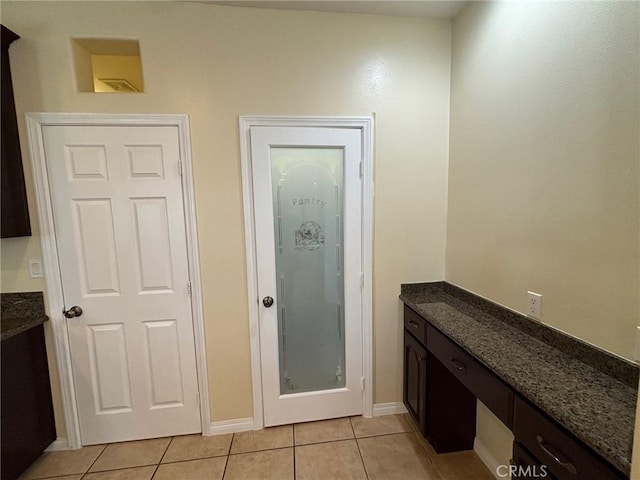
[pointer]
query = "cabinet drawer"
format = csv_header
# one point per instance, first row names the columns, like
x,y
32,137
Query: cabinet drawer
x,y
525,467
415,324
488,388
564,455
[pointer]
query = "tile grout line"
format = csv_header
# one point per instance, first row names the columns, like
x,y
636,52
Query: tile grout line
x,y
364,467
325,441
94,462
233,435
293,437
166,450
173,462
419,437
53,477
224,470
294,462
432,460
155,470
382,435
226,460
263,450
104,471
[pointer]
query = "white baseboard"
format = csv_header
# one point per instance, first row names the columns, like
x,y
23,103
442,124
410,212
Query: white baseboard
x,y
489,460
60,443
390,408
232,426
245,424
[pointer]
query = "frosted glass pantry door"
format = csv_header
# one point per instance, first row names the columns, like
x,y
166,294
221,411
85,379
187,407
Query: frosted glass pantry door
x,y
308,224
307,188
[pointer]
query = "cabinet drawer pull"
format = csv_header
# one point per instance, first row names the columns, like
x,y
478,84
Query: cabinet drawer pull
x,y
413,324
568,465
459,365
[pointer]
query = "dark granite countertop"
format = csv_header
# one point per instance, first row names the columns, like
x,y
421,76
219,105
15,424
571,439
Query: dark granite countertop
x,y
587,390
20,312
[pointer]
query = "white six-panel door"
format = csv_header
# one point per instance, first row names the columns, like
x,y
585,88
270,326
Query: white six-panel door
x,y
120,231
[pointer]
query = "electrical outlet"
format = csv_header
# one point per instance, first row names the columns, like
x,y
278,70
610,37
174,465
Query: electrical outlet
x,y
534,305
35,268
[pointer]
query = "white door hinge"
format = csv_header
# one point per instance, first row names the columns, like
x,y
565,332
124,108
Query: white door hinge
x,y
198,397
189,288
361,279
180,168
362,380
361,170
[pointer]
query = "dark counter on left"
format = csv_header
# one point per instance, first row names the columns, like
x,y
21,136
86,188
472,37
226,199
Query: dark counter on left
x,y
28,425
20,312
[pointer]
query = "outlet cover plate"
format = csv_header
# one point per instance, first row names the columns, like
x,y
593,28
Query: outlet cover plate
x,y
534,305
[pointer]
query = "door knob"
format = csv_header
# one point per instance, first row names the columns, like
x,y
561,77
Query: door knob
x,y
73,312
267,301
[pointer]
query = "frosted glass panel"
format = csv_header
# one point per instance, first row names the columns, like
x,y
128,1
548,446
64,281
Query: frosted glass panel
x,y
307,196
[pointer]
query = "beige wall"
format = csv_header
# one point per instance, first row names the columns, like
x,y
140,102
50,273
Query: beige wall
x,y
493,435
543,178
544,156
216,63
16,253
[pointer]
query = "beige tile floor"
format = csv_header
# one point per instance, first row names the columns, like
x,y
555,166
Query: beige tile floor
x,y
380,448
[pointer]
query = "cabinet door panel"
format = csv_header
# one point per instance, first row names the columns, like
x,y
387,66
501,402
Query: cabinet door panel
x,y
415,377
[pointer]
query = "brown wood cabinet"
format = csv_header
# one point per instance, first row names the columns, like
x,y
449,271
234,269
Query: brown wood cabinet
x,y
441,384
27,411
14,214
415,380
442,407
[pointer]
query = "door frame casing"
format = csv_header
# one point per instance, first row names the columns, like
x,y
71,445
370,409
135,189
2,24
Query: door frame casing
x,y
365,125
51,262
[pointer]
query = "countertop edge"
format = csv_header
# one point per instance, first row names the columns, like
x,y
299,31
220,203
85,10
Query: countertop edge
x,y
23,327
21,311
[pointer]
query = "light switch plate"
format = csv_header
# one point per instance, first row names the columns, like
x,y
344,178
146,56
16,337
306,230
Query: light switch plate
x,y
35,268
638,344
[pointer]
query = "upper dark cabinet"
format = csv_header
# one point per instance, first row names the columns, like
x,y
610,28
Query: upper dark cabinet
x,y
15,212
